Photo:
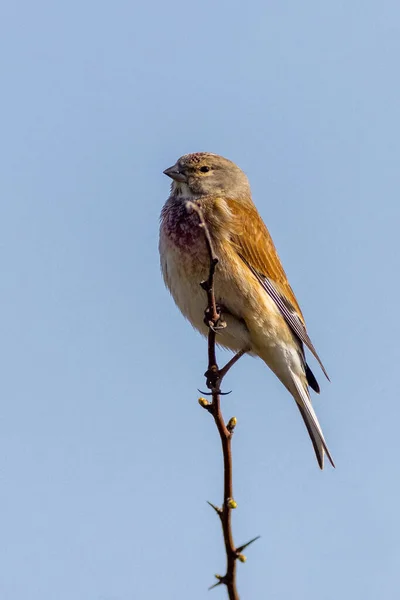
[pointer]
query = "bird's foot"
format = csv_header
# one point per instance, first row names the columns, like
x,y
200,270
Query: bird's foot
x,y
214,324
213,378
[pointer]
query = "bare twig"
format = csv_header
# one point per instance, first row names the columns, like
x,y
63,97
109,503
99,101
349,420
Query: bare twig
x,y
214,377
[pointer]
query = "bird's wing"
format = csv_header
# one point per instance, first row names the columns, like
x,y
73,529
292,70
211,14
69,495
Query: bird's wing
x,y
254,245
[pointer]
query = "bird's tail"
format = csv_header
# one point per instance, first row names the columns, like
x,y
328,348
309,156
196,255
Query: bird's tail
x,y
303,402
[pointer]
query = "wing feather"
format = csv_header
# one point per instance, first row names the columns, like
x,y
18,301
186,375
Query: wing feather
x,y
255,247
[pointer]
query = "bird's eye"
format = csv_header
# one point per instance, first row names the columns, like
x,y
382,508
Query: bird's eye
x,y
204,169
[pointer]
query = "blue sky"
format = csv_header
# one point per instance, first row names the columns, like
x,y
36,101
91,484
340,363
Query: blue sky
x,y
106,459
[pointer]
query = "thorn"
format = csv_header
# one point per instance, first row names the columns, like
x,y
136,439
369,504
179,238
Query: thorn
x,y
215,585
241,548
216,508
214,392
220,581
231,503
231,423
205,393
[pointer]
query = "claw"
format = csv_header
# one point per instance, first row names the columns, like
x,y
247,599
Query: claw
x,y
214,324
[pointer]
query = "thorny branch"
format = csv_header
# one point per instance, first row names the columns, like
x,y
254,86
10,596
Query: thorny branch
x,y
214,376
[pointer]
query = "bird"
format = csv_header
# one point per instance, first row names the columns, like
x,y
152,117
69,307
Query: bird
x,y
259,308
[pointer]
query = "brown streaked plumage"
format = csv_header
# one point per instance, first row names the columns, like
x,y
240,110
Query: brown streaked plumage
x,y
254,243
259,306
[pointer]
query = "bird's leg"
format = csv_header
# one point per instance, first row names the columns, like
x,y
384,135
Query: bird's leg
x,y
230,363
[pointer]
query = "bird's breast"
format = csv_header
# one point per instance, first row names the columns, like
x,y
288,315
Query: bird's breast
x,y
181,229
183,249
184,259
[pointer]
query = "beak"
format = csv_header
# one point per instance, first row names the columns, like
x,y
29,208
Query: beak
x,y
175,174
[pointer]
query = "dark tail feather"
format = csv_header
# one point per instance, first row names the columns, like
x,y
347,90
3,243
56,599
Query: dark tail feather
x,y
312,382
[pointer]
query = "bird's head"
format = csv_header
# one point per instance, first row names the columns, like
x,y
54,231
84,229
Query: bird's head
x,y
205,174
